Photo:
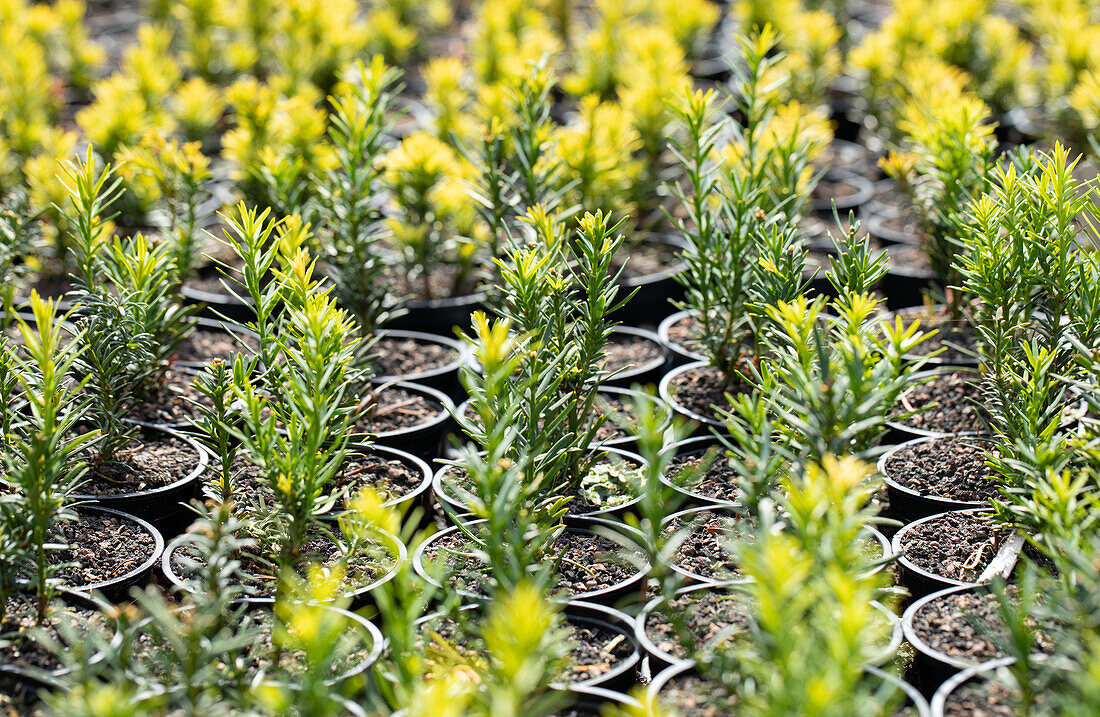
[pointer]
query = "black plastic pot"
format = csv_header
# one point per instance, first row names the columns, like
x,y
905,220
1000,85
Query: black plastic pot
x,y
160,506
443,378
907,504
439,316
35,678
594,701
986,670
426,440
917,580
23,690
905,285
218,305
850,155
931,666
703,424
678,354
446,494
224,326
118,589
643,374
656,291
697,446
666,675
899,432
604,596
865,191
913,698
877,227
360,597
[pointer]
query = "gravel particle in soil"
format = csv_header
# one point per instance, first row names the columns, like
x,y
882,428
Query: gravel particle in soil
x,y
704,551
404,357
950,403
718,482
20,619
205,344
627,350
961,625
154,460
395,409
954,545
984,698
172,402
589,562
101,547
952,467
701,388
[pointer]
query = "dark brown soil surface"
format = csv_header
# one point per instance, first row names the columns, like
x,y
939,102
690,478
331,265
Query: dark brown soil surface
x,y
397,409
956,338
685,334
440,284
352,648
205,344
154,460
644,259
701,388
950,401
172,402
908,259
817,261
389,477
692,696
628,351
838,189
816,230
617,408
952,467
954,545
612,472
102,547
854,158
593,650
31,653
905,224
17,699
704,551
712,615
589,562
891,197
405,357
719,482
985,698
212,283
960,625
363,568
48,287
